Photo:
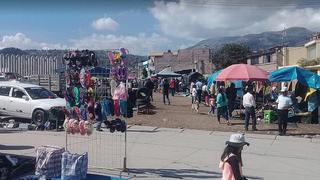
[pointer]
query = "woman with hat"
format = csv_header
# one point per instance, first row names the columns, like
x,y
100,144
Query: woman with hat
x,y
231,161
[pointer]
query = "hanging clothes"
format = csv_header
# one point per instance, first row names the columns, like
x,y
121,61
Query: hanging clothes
x,y
116,108
123,107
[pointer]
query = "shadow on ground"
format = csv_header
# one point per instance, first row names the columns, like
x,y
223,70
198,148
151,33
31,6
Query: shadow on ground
x,y
175,173
4,147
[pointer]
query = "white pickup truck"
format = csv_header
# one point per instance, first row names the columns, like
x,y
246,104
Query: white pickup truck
x,y
27,101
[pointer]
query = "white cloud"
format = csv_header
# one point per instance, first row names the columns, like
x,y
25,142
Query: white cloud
x,y
20,40
105,24
141,44
196,20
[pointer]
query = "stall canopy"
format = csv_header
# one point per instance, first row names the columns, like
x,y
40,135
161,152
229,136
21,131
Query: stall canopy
x,y
167,73
242,72
194,76
303,76
212,77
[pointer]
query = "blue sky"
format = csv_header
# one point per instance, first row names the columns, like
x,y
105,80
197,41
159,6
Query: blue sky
x,y
144,25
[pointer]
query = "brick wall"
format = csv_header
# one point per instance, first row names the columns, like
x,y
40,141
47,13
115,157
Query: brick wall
x,y
185,59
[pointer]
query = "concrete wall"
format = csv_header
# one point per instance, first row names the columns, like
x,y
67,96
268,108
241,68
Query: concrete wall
x,y
294,54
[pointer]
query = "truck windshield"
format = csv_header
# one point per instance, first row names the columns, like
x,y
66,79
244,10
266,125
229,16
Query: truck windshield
x,y
40,93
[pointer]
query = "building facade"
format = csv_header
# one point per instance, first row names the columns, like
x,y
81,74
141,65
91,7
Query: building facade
x,y
184,60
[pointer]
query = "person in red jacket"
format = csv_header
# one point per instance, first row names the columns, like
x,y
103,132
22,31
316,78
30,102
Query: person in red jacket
x,y
172,86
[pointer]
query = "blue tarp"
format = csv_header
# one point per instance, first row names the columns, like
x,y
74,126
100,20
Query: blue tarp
x,y
303,76
212,78
100,71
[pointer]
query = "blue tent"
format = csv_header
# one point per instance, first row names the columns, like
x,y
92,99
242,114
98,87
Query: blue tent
x,y
303,76
212,77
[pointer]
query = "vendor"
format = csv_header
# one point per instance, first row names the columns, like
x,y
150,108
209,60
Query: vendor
x,y
284,103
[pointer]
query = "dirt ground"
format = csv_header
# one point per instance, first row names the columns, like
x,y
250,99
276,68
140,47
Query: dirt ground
x,y
180,115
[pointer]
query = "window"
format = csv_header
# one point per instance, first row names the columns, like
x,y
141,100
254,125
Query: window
x,y
17,93
4,91
311,52
40,93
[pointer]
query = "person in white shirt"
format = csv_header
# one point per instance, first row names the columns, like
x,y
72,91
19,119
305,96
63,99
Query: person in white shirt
x,y
193,94
249,104
284,103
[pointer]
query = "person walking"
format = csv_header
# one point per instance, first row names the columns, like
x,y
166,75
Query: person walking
x,y
150,86
249,104
231,159
231,92
205,94
199,90
222,103
172,86
212,105
193,94
284,103
165,91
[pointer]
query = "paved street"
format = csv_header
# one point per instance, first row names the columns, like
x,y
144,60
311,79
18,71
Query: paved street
x,y
163,153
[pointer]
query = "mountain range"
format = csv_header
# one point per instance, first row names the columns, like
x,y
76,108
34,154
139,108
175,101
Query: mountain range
x,y
294,36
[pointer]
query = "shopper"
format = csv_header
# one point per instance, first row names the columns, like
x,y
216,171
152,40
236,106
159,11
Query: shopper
x,y
222,103
150,86
165,91
205,94
284,103
193,94
231,92
172,86
199,90
249,104
212,105
231,159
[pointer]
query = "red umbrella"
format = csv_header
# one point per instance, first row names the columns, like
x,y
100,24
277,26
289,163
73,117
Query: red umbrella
x,y
242,72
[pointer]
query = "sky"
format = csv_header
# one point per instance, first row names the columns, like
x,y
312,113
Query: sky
x,y
144,26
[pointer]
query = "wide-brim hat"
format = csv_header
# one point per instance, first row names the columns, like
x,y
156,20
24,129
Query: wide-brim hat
x,y
237,140
284,89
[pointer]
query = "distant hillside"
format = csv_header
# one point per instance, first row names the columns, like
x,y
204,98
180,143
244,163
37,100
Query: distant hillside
x,y
102,55
295,36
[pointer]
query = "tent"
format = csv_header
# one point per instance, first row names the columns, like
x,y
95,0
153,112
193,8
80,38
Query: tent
x,y
167,73
212,77
194,76
303,76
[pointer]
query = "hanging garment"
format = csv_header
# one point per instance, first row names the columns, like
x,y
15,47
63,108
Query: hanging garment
x,y
97,111
105,108
113,85
116,108
123,107
83,112
111,106
76,95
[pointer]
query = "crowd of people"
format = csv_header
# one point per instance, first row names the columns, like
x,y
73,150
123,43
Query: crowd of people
x,y
223,101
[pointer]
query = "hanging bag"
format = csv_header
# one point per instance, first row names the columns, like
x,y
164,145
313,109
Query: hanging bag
x,y
74,166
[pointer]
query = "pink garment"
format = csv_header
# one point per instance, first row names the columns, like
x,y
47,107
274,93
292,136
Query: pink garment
x,y
227,173
206,98
120,92
116,108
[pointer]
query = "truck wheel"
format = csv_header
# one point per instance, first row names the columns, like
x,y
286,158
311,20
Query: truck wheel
x,y
38,117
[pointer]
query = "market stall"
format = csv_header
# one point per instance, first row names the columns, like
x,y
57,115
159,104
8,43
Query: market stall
x,y
304,86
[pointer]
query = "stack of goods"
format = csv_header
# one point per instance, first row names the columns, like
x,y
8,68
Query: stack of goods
x,y
79,92
55,162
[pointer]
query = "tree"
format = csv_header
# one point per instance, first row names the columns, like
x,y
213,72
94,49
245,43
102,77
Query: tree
x,y
306,62
230,54
144,73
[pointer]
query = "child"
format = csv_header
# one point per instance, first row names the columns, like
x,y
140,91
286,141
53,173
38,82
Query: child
x,y
212,105
231,161
193,94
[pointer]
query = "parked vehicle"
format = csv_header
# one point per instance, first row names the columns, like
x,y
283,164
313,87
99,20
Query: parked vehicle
x,y
27,101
